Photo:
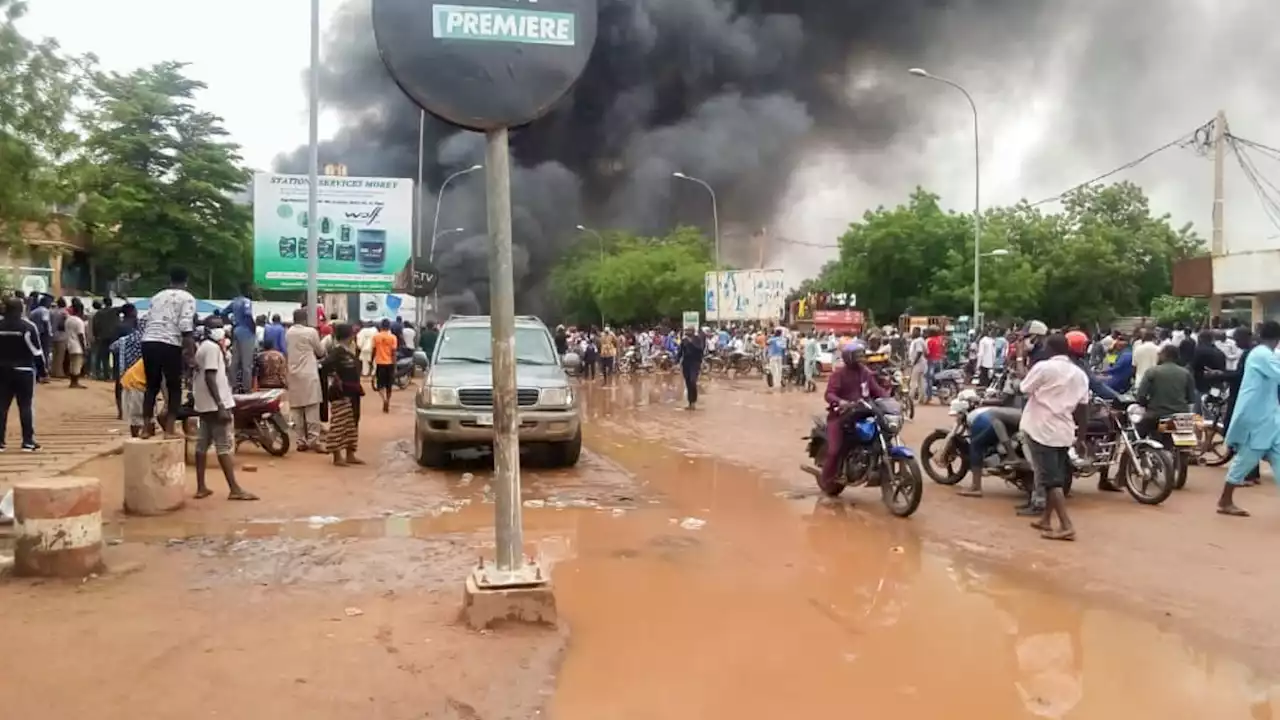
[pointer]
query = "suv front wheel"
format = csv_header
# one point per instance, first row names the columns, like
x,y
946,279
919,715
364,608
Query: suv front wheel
x,y
431,455
566,454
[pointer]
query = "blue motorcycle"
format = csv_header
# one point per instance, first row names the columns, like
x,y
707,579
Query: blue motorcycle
x,y
872,455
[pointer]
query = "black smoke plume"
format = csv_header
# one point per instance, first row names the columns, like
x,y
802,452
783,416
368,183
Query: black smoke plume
x,y
740,93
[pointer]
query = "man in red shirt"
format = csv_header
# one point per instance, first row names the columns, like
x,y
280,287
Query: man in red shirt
x,y
935,350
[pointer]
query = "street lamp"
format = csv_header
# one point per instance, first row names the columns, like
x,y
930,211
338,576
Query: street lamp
x,y
582,228
996,253
435,225
977,177
715,219
450,231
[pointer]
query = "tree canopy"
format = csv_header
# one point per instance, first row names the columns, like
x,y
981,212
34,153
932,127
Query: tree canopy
x,y
38,87
627,278
158,177
1103,255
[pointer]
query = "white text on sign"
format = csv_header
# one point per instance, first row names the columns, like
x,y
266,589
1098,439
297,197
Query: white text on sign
x,y
459,22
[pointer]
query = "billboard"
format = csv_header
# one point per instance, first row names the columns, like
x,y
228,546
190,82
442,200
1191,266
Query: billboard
x,y
745,296
365,227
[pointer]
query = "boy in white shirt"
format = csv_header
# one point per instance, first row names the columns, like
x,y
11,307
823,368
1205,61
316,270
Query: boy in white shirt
x,y
211,390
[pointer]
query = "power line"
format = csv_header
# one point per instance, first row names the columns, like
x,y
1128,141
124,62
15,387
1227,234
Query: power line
x,y
1198,138
1256,145
1267,192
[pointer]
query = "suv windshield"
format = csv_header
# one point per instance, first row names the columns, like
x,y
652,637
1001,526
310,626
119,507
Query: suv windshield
x,y
472,344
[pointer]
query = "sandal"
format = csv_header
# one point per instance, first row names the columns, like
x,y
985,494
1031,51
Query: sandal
x,y
1063,535
969,493
243,495
1041,526
202,494
1233,511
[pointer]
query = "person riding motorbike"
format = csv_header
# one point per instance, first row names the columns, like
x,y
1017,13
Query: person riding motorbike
x,y
851,384
1034,337
1166,389
1078,343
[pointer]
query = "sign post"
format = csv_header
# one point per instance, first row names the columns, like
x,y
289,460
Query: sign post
x,y
487,66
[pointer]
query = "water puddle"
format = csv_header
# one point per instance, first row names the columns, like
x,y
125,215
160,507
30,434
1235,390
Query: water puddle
x,y
771,606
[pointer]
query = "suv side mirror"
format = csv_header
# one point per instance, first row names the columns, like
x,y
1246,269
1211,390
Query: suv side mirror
x,y
420,359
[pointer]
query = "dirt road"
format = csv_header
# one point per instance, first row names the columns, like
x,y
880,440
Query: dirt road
x,y
698,574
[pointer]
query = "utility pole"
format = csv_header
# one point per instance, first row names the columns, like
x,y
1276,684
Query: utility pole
x,y
510,567
1218,245
760,246
313,172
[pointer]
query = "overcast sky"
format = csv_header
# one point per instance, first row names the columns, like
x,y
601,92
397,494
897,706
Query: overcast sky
x,y
251,53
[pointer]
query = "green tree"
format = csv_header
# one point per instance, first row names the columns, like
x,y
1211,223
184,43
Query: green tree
x,y
1167,310
1104,255
37,91
635,279
158,175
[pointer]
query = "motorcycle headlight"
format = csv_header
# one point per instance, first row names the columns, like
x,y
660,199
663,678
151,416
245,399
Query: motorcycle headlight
x,y
893,423
1136,413
440,396
556,397
958,408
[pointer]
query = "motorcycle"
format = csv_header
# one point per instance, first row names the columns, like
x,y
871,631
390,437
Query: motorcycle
x,y
947,383
951,448
892,378
872,455
1145,468
1179,434
1212,448
257,418
793,370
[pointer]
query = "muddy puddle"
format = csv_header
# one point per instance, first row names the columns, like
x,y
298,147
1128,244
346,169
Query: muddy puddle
x,y
781,605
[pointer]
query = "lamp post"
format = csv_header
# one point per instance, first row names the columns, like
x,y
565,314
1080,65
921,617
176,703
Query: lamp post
x,y
313,170
977,179
599,237
715,219
435,225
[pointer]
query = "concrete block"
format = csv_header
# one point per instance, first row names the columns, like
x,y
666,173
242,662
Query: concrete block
x,y
155,476
484,608
57,527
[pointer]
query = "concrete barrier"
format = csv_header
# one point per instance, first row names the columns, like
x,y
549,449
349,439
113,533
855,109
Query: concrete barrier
x,y
155,476
57,527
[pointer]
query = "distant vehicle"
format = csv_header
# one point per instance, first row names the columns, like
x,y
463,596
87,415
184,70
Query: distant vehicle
x,y
454,407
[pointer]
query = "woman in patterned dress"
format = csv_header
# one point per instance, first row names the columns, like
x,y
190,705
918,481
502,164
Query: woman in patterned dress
x,y
342,366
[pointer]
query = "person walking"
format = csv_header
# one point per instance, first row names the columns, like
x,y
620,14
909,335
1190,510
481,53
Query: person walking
x,y
166,341
304,381
342,365
689,356
41,315
384,344
58,321
211,391
1057,392
608,354
775,349
810,345
918,361
21,360
1254,429
75,343
364,346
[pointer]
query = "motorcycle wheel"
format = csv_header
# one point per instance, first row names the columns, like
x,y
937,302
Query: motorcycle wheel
x,y
903,487
1213,450
1154,482
946,391
950,474
402,381
908,406
275,435
1180,462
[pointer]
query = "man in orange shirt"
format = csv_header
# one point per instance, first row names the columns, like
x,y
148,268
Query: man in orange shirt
x,y
384,362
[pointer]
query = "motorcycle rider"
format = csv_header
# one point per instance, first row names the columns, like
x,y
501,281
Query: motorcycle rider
x,y
1078,343
849,385
1166,389
1034,337
988,426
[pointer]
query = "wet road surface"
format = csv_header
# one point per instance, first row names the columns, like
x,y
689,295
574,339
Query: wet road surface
x,y
700,576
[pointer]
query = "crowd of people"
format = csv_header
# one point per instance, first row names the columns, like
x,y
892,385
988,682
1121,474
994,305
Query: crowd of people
x,y
171,364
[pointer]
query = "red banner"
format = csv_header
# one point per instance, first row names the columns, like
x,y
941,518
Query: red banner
x,y
838,319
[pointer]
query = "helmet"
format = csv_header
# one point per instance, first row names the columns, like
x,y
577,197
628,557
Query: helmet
x,y
1077,342
852,352
1035,327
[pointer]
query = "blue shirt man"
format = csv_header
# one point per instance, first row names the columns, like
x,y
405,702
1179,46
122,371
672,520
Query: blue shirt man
x,y
777,346
1254,430
1120,377
274,334
1002,349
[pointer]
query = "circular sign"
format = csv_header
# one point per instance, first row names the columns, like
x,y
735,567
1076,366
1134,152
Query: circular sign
x,y
485,64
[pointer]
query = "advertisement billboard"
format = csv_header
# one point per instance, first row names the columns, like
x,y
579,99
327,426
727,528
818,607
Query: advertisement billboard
x,y
745,296
365,226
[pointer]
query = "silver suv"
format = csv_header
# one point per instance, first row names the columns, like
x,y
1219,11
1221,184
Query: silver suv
x,y
454,407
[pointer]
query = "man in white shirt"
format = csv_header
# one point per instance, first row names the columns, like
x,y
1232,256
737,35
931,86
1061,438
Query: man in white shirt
x,y
1146,355
166,341
986,358
1057,392
211,390
918,364
76,342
